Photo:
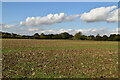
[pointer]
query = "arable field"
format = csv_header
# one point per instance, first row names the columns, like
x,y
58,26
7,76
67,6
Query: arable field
x,y
59,58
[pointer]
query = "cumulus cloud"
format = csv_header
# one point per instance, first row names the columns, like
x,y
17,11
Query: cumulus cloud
x,y
47,20
114,16
108,14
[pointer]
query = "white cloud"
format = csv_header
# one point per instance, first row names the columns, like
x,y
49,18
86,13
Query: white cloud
x,y
100,31
7,26
116,31
108,14
33,29
47,20
113,16
93,31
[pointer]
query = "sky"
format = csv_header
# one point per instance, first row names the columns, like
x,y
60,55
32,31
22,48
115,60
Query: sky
x,y
90,18
60,0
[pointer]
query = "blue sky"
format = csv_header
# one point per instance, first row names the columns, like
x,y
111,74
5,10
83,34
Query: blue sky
x,y
14,12
60,0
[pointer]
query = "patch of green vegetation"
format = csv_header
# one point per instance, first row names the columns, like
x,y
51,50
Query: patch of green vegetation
x,y
52,48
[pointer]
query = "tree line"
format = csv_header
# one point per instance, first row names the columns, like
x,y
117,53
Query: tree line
x,y
64,35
